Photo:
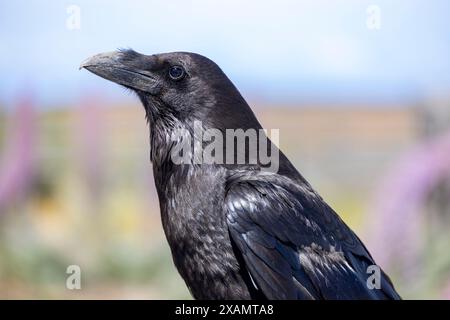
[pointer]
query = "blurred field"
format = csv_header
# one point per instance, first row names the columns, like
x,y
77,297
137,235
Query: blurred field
x,y
76,185
84,195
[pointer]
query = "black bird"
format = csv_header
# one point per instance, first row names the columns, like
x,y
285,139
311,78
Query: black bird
x,y
236,231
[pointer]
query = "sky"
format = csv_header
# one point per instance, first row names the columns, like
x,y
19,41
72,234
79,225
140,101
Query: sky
x,y
274,51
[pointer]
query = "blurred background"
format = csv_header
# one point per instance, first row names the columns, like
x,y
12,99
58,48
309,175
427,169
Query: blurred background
x,y
360,91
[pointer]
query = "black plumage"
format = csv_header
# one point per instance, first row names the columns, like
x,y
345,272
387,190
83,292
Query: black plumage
x,y
236,231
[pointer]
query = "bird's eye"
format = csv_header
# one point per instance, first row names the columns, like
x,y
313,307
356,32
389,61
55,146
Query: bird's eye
x,y
176,72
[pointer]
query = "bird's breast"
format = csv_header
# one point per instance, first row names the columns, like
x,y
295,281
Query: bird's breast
x,y
194,222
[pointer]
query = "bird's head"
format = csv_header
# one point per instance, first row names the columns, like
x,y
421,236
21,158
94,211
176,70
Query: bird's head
x,y
179,90
179,84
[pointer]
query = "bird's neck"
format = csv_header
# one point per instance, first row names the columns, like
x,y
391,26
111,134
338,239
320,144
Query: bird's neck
x,y
167,134
177,182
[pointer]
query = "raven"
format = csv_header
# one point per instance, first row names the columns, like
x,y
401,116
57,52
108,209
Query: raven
x,y
236,230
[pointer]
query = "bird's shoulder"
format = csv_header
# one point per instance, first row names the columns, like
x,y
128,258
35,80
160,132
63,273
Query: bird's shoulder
x,y
291,209
293,244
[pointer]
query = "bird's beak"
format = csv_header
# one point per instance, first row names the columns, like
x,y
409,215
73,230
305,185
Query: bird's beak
x,y
125,68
